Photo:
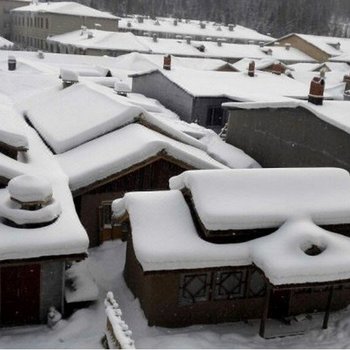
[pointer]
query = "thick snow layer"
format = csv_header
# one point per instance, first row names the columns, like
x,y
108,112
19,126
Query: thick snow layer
x,y
80,286
4,43
10,130
290,264
135,143
63,237
332,112
237,86
65,8
192,27
165,238
69,117
11,211
28,188
260,198
101,40
85,327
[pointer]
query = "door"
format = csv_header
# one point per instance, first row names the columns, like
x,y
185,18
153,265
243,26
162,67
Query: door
x,y
20,294
279,304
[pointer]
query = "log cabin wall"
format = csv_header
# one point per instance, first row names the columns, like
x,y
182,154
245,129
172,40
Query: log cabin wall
x,y
153,176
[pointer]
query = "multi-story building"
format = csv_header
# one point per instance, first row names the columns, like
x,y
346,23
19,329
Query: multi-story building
x,y
5,19
32,24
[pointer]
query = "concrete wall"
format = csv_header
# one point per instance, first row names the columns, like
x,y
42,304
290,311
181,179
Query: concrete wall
x,y
288,137
52,284
157,86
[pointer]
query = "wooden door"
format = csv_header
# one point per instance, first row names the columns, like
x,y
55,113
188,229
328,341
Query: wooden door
x,y
20,294
279,304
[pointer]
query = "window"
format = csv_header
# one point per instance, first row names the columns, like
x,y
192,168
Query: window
x,y
257,284
230,284
41,22
46,23
194,288
215,116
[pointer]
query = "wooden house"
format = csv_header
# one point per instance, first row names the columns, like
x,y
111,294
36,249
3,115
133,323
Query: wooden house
x,y
124,143
182,277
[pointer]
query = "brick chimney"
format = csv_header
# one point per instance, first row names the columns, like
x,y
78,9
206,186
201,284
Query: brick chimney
x,y
316,91
277,68
188,39
287,46
167,62
231,27
155,37
251,69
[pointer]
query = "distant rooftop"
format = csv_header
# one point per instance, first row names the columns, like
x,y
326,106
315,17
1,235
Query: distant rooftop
x,y
64,8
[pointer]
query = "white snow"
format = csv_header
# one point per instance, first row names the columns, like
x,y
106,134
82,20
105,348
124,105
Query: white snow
x,y
259,198
332,112
65,8
10,130
4,43
85,328
135,143
80,285
28,188
237,86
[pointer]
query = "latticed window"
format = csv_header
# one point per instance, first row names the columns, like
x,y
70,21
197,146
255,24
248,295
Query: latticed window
x,y
257,284
230,284
194,288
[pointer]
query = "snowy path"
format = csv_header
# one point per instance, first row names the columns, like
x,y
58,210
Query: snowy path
x,y
84,329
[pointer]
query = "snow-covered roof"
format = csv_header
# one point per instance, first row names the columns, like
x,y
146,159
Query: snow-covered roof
x,y
5,43
66,235
292,54
261,198
312,67
98,159
69,117
333,112
11,132
64,8
192,27
165,238
101,40
237,86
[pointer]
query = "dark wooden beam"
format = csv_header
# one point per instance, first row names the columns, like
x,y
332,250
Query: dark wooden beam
x,y
265,312
328,309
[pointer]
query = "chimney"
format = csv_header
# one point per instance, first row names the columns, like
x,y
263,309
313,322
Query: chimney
x,y
276,43
261,43
175,22
139,19
128,24
220,41
31,203
287,46
68,77
251,42
316,91
231,27
277,68
12,63
202,25
269,52
90,34
188,39
251,69
155,37
121,88
178,36
167,62
346,80
40,54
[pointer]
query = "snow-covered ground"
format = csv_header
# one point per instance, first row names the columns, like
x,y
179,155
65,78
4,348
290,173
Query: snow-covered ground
x,y
85,328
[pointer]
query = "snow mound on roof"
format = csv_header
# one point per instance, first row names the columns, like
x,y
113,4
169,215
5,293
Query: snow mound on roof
x,y
262,198
11,132
28,188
